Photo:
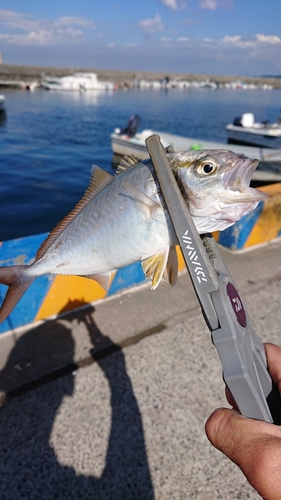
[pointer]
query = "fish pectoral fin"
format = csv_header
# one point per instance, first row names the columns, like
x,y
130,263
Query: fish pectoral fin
x,y
171,272
154,267
140,198
103,279
126,163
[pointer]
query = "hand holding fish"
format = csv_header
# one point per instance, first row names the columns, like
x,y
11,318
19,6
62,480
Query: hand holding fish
x,y
122,219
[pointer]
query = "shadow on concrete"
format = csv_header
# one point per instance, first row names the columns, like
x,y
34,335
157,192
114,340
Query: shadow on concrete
x,y
29,468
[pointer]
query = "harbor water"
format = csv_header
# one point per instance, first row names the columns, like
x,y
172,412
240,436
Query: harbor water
x,y
49,140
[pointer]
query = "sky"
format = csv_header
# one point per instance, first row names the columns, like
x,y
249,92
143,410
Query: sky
x,y
223,37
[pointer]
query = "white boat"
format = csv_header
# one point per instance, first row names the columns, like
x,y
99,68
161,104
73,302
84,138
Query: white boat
x,y
78,82
128,142
245,130
2,103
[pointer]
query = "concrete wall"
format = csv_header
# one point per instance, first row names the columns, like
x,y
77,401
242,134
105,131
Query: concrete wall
x,y
260,226
53,295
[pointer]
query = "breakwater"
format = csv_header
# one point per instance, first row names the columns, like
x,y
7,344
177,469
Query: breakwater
x,y
10,72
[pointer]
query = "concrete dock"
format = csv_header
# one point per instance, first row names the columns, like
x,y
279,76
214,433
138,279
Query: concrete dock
x,y
110,402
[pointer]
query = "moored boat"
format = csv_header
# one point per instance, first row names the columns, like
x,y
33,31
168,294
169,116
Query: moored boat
x,y
124,142
2,103
78,82
244,130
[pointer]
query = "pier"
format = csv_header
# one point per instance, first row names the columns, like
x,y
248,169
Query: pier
x,y
108,397
111,401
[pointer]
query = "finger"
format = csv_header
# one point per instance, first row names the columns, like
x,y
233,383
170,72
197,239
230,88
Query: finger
x,y
230,398
253,445
273,354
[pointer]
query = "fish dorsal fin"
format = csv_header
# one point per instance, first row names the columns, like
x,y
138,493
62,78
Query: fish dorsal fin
x,y
171,272
99,179
126,163
103,279
154,266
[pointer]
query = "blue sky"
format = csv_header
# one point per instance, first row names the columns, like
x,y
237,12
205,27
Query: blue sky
x,y
238,37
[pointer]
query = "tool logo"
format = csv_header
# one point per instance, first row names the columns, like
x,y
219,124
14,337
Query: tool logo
x,y
193,257
237,304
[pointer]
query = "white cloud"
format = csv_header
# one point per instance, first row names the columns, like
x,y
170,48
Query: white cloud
x,y
41,31
231,39
183,39
74,21
273,39
208,4
17,20
152,24
254,42
213,4
25,38
238,42
174,4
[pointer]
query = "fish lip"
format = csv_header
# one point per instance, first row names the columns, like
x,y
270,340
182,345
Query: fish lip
x,y
238,180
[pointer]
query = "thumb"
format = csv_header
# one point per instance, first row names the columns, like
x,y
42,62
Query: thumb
x,y
253,445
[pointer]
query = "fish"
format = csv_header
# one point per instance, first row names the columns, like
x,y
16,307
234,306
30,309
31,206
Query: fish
x,y
122,219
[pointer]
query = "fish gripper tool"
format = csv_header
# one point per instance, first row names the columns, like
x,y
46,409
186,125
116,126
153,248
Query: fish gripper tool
x,y
240,349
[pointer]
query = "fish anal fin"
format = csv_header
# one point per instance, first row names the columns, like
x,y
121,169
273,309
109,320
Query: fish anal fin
x,y
171,272
103,279
154,266
126,163
99,179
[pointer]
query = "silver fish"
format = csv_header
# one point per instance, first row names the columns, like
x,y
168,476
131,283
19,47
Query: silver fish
x,y
122,219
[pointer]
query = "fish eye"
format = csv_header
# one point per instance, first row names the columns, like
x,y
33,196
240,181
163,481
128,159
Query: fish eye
x,y
207,167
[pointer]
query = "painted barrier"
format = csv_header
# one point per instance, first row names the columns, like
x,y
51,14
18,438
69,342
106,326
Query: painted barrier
x,y
53,295
260,226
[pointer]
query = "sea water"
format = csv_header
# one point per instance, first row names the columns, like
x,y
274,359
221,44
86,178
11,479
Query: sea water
x,y
49,140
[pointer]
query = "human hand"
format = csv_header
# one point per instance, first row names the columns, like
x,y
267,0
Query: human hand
x,y
253,445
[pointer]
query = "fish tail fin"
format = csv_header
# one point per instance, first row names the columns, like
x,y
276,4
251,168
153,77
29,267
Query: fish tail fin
x,y
14,277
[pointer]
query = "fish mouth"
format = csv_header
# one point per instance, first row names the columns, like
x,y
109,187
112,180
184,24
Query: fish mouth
x,y
238,181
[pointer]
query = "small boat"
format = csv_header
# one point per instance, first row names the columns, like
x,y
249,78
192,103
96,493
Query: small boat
x,y
128,141
78,82
2,103
245,130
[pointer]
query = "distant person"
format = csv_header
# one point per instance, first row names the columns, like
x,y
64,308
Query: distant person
x,y
132,126
253,445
